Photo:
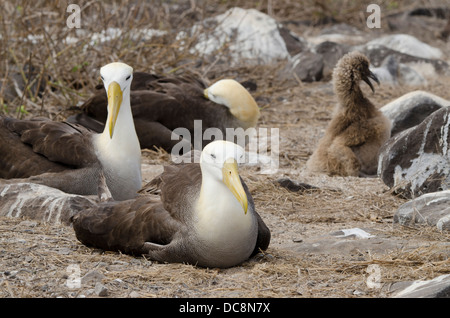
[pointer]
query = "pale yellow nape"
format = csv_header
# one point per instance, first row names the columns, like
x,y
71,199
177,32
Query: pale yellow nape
x,y
240,102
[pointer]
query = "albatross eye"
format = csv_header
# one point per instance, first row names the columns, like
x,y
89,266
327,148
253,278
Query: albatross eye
x,y
129,76
213,156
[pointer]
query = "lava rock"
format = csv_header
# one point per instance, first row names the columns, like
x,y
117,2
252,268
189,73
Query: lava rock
x,y
295,186
392,72
100,290
411,109
339,33
429,209
438,287
41,203
416,161
331,53
93,276
243,35
407,44
378,53
307,66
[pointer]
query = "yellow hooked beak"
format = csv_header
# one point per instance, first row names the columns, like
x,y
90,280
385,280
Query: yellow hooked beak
x,y
233,182
114,103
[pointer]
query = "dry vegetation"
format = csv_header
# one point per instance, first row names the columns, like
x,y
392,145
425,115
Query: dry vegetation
x,y
34,257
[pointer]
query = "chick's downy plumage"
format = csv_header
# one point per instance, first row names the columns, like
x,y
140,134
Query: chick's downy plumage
x,y
357,130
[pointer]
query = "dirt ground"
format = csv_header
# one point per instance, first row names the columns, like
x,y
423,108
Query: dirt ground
x,y
46,260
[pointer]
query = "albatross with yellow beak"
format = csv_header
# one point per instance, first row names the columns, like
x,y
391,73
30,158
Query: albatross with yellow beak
x,y
70,157
201,214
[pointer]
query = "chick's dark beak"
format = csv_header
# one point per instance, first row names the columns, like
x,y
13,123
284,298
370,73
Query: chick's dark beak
x,y
367,80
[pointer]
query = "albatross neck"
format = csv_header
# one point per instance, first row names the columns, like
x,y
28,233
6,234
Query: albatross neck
x,y
124,137
120,155
220,216
351,97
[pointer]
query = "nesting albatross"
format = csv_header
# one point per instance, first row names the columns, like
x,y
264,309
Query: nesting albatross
x,y
203,215
161,104
70,157
357,130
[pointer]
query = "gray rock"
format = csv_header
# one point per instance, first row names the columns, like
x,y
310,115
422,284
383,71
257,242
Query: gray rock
x,y
339,33
243,35
341,28
295,186
294,43
430,209
378,53
408,76
438,287
41,203
134,294
93,276
419,21
416,161
331,53
315,64
392,72
407,44
307,66
411,109
387,72
27,223
100,290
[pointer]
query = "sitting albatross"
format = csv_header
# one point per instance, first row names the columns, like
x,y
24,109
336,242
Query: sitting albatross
x,y
70,157
161,104
357,129
203,214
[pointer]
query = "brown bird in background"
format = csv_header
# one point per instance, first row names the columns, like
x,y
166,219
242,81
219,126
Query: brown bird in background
x,y
357,130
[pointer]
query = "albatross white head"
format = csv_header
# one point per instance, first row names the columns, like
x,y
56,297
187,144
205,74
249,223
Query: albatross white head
x,y
117,79
118,146
219,163
233,95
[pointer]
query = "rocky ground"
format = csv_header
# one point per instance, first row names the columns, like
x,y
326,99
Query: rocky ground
x,y
338,240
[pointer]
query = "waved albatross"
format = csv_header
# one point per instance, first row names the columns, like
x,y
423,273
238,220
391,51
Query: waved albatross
x,y
202,214
161,104
357,130
70,157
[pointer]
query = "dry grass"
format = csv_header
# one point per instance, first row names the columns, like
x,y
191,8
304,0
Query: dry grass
x,y
68,69
35,263
34,257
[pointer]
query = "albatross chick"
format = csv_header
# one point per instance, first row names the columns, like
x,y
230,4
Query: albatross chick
x,y
357,130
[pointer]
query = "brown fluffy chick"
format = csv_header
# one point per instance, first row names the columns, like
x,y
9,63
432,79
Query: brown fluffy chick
x,y
357,130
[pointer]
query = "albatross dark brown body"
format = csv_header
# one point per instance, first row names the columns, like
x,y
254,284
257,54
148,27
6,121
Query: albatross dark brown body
x,y
158,223
161,104
39,148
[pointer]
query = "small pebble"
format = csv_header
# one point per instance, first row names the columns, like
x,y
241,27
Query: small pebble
x,y
100,290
